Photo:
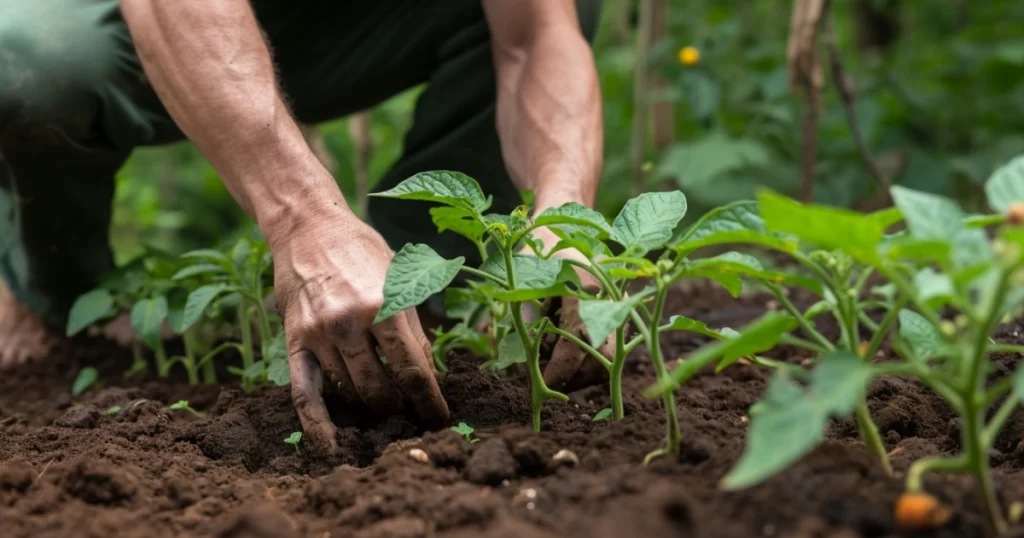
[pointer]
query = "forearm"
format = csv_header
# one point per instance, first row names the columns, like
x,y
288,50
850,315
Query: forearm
x,y
209,64
549,116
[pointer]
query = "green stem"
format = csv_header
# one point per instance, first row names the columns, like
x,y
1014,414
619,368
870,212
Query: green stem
x,y
804,323
796,341
915,473
882,330
673,436
615,377
209,373
245,326
484,275
581,344
1000,417
163,365
539,391
866,320
1005,348
869,434
977,462
138,360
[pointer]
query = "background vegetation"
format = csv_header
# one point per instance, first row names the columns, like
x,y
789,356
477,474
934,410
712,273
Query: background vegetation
x,y
937,88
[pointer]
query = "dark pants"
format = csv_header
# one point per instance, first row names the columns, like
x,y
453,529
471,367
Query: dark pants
x,y
74,103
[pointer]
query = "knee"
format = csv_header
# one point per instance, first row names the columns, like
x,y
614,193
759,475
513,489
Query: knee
x,y
589,12
50,70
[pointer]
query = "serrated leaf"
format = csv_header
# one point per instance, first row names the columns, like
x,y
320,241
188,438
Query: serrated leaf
x,y
825,227
89,308
923,337
147,318
790,421
458,220
510,351
415,273
648,221
572,218
86,378
197,269
1006,185
758,336
196,304
601,318
445,187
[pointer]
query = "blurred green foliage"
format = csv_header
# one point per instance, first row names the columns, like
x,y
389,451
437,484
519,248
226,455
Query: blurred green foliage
x,y
939,98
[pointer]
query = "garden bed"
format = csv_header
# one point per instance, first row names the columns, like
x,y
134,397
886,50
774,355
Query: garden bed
x,y
70,469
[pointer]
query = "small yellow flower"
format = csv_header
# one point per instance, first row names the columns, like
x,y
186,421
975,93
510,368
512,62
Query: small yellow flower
x,y
689,55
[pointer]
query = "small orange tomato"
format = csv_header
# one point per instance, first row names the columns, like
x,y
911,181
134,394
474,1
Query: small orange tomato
x,y
689,55
921,511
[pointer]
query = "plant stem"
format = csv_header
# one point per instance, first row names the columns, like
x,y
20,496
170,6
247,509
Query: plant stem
x,y
796,341
977,461
539,391
581,344
615,377
209,373
138,360
869,434
1005,348
930,465
882,330
1000,417
484,275
804,323
245,327
163,366
189,360
673,437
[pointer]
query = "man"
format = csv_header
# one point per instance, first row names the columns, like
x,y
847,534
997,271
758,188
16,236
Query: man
x,y
512,100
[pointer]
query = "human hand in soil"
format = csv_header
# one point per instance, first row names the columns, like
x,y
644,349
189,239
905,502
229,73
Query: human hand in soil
x,y
571,368
329,274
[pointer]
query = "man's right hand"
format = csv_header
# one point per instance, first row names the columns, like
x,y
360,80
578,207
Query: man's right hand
x,y
329,270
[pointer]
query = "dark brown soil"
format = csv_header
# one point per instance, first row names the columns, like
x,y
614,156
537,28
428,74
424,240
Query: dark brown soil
x,y
67,468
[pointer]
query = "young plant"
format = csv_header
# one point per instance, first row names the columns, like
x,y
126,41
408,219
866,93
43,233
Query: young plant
x,y
942,262
294,439
182,405
466,431
87,377
111,411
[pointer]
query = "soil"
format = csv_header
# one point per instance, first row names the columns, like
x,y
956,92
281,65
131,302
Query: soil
x,y
68,468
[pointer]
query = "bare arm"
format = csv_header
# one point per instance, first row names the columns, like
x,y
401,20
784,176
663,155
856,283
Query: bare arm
x,y
209,63
549,100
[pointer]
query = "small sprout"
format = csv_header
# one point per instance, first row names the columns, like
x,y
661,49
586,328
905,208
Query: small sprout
x,y
294,439
86,378
566,457
603,414
184,406
466,431
689,55
114,410
921,511
420,455
1015,513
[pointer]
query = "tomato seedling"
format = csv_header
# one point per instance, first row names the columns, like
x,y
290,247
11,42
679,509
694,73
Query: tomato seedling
x,y
466,431
183,405
87,377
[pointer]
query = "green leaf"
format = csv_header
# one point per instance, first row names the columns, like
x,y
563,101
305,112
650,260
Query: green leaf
x,y
277,349
86,378
416,273
444,187
510,351
603,414
147,318
463,429
573,217
586,245
648,221
735,223
934,288
279,373
198,269
196,304
758,336
458,220
294,439
789,421
825,227
745,265
89,308
923,337
928,216
214,256
1006,185
601,318
683,323
531,272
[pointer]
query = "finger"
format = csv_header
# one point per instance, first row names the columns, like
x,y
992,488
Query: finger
x,y
421,337
307,397
370,378
337,373
407,351
589,374
566,357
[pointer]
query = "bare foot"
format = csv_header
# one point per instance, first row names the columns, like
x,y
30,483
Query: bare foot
x,y
23,336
